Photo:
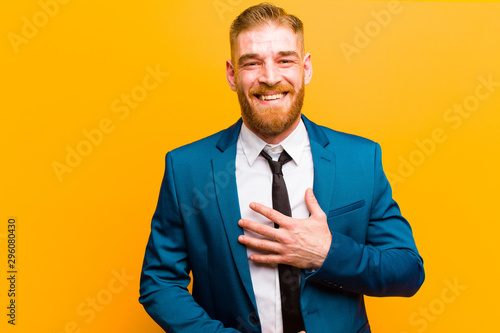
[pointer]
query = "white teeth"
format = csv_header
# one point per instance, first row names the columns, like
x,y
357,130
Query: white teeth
x,y
270,97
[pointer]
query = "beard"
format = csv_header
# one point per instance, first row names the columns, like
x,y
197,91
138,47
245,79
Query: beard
x,y
271,120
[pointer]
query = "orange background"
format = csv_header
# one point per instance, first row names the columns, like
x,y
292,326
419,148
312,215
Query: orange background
x,y
67,68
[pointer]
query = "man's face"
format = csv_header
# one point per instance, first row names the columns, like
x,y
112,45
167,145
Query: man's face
x,y
269,74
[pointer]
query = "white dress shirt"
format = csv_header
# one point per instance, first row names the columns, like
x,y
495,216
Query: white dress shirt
x,y
254,180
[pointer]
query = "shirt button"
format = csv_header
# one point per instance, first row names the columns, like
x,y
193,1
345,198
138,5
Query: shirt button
x,y
254,319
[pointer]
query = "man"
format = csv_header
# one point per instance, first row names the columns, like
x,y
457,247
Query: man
x,y
303,266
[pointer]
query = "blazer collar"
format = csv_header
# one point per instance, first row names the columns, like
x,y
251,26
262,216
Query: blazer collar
x,y
315,132
229,136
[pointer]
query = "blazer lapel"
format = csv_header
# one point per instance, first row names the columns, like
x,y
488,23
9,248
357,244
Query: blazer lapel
x,y
224,167
324,164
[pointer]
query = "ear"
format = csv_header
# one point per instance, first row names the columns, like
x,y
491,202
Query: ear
x,y
308,70
230,75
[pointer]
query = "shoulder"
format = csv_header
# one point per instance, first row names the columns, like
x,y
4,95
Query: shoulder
x,y
338,141
341,138
195,152
208,147
350,147
354,154
198,145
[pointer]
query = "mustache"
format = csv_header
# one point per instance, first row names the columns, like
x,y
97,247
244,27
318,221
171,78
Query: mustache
x,y
278,88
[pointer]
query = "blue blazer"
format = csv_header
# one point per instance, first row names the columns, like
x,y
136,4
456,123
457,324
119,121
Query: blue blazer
x,y
195,229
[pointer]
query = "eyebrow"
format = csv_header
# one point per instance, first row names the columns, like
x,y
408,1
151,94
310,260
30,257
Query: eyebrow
x,y
289,53
247,56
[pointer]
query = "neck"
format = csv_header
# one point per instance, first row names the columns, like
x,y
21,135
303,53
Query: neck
x,y
275,139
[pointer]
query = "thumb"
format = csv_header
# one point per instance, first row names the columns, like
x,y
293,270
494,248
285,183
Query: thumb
x,y
312,203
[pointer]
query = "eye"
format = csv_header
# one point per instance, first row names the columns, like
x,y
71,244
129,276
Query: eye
x,y
287,61
249,64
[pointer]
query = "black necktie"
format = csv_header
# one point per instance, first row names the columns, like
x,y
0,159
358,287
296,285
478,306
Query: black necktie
x,y
289,275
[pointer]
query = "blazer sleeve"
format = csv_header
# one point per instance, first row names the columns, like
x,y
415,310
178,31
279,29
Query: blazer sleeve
x,y
165,272
388,263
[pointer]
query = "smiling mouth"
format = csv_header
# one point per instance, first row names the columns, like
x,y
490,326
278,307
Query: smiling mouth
x,y
271,97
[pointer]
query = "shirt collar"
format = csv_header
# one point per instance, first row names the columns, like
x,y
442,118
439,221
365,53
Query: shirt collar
x,y
294,144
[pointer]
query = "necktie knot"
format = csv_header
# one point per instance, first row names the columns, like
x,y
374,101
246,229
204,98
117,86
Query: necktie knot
x,y
276,166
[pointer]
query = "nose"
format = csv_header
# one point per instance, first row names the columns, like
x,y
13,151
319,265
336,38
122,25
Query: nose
x,y
270,75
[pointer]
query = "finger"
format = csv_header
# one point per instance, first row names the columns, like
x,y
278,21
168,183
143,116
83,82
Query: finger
x,y
258,228
260,244
270,213
268,258
312,203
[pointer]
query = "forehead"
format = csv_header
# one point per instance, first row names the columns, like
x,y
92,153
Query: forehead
x,y
266,40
